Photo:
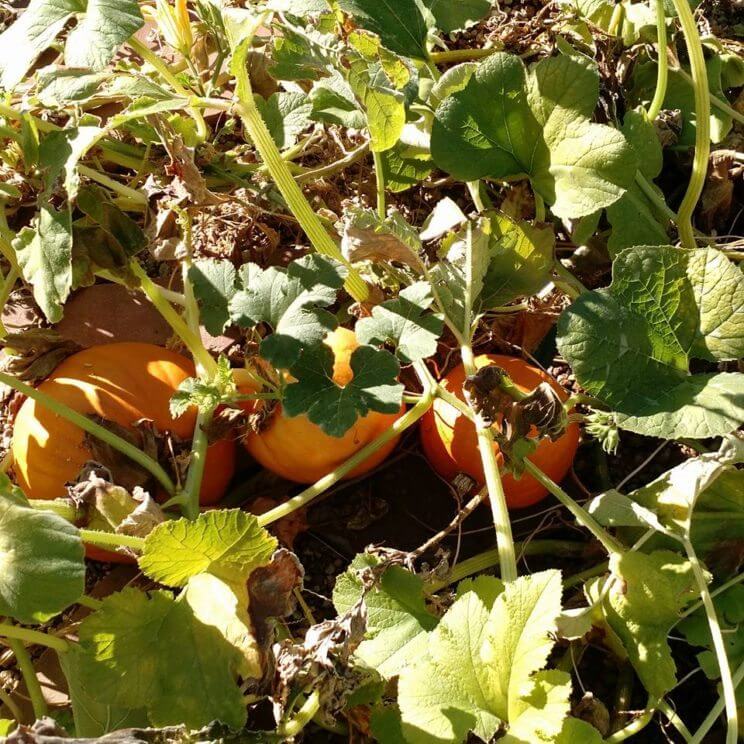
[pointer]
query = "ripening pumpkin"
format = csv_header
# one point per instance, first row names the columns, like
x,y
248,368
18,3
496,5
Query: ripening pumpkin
x,y
450,442
121,383
299,450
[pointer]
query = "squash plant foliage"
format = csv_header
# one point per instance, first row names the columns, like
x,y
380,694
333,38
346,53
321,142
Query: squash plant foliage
x,y
359,197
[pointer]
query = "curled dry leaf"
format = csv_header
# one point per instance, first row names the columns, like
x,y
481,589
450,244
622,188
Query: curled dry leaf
x,y
271,593
33,354
724,169
112,506
123,471
484,394
321,661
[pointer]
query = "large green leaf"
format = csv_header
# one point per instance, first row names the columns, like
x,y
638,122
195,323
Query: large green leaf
x,y
30,35
453,15
214,282
405,322
402,25
481,669
680,95
633,219
150,651
644,603
42,559
102,27
45,256
631,343
374,387
507,122
228,544
92,717
491,263
397,617
290,302
106,25
286,115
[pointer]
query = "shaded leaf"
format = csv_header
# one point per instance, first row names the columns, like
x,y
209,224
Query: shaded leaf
x,y
508,122
374,387
45,256
397,616
42,559
150,651
405,323
631,344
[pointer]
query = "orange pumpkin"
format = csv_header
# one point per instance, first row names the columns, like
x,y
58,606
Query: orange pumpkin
x,y
299,450
121,383
450,441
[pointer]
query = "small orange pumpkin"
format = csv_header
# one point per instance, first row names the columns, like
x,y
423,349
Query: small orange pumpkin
x,y
297,449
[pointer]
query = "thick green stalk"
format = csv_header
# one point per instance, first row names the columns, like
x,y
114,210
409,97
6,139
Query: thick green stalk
x,y
126,448
461,55
702,122
119,188
112,540
489,558
610,544
634,727
23,662
158,64
716,710
496,496
189,498
36,637
301,718
191,339
380,185
719,646
662,65
305,497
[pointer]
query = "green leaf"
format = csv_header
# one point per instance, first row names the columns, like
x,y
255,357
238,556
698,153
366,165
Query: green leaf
x,y
228,544
93,718
507,122
481,669
98,35
402,25
215,603
30,35
730,612
642,607
44,253
680,95
397,617
405,323
382,99
205,394
60,153
455,15
298,56
286,115
102,26
42,559
333,102
289,301
150,651
374,387
631,344
632,217
214,283
404,167
521,259
7,726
